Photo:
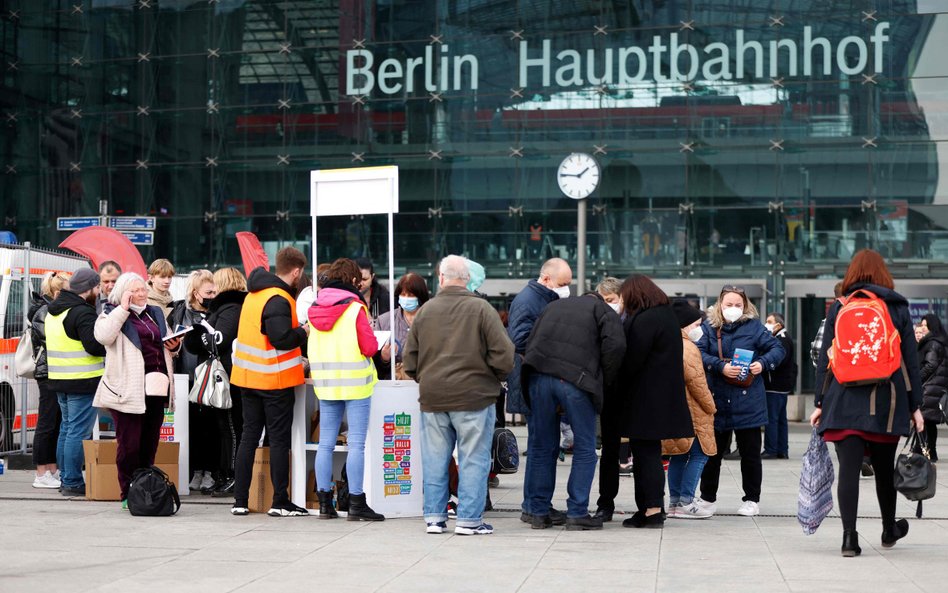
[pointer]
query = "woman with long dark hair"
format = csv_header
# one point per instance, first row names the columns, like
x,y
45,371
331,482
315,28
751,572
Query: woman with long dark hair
x,y
933,361
651,389
873,417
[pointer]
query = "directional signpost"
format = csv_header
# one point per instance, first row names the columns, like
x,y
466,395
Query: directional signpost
x,y
74,223
138,229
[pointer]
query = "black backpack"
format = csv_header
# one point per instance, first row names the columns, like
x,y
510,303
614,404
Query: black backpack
x,y
152,494
505,452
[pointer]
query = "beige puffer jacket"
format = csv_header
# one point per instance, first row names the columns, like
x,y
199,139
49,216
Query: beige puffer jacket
x,y
700,403
122,387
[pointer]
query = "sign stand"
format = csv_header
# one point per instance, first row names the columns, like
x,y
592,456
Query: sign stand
x,y
393,471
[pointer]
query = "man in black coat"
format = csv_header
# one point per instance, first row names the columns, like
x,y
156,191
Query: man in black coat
x,y
575,350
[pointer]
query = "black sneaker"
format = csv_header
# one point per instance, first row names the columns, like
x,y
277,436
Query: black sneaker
x,y
586,523
604,514
288,509
239,511
225,489
74,490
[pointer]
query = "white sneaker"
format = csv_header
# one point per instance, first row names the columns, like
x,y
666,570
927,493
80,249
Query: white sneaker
x,y
207,482
195,483
692,511
710,507
749,509
673,509
58,476
46,481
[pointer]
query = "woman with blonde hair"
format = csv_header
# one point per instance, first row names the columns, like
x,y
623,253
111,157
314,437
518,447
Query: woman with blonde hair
x,y
223,315
49,416
739,395
200,291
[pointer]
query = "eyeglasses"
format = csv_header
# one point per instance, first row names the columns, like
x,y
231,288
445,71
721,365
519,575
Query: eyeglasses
x,y
729,288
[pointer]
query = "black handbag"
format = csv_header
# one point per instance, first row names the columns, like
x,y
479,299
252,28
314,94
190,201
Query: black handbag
x,y
914,472
152,494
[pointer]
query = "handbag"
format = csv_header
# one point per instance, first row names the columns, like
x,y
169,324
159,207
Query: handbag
x,y
815,499
943,405
746,381
211,385
24,360
914,472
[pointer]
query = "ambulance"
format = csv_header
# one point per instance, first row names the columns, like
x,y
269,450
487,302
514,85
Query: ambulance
x,y
13,260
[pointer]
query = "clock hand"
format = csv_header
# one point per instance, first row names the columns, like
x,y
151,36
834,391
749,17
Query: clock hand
x,y
581,173
570,174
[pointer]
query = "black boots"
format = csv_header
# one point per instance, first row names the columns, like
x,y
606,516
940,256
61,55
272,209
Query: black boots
x,y
359,510
892,534
326,510
851,543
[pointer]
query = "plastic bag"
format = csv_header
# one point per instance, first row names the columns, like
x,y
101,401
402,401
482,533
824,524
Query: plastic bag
x,y
815,500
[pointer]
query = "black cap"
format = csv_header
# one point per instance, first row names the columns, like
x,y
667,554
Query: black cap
x,y
686,313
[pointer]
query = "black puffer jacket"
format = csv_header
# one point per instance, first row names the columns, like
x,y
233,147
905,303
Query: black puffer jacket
x,y
39,307
933,362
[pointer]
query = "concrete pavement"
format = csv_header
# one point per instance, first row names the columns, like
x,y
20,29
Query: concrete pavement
x,y
48,543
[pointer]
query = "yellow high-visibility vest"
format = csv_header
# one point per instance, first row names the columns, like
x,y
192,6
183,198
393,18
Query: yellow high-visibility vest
x,y
257,364
66,358
337,366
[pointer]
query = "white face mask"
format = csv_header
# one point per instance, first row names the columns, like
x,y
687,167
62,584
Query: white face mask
x,y
617,307
732,314
695,333
770,327
137,308
562,291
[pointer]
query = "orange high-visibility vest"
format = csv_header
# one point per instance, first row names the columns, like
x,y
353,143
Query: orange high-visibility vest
x,y
257,364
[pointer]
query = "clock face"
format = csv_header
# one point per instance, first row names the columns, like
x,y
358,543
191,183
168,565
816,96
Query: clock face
x,y
578,175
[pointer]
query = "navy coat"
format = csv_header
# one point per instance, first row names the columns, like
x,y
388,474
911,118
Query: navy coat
x,y
739,407
524,312
855,408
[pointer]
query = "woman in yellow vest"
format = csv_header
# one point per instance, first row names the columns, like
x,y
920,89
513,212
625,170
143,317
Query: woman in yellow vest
x,y
344,377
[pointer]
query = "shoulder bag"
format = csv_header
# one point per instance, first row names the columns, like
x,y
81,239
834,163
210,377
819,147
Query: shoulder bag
x,y
24,360
211,383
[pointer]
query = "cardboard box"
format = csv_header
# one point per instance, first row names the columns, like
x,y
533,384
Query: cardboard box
x,y
312,501
261,488
102,473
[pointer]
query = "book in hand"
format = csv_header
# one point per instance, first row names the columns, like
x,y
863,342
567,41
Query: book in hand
x,y
177,333
743,359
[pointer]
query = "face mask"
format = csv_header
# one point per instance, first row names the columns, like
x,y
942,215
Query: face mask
x,y
408,303
562,291
206,303
770,327
732,314
695,333
617,307
137,308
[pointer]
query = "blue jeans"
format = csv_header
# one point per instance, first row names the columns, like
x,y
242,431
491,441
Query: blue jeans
x,y
546,392
775,433
684,472
78,418
330,417
473,432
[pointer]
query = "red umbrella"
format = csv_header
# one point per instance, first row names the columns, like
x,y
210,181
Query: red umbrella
x,y
251,251
101,244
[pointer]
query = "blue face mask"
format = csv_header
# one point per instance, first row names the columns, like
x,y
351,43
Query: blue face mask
x,y
408,303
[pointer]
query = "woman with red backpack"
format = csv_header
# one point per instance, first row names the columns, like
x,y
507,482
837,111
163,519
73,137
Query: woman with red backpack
x,y
868,389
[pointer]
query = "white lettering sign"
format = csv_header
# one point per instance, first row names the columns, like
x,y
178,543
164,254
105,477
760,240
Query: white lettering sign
x,y
664,59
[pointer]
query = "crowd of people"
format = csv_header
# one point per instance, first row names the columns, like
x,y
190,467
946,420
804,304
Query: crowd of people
x,y
649,379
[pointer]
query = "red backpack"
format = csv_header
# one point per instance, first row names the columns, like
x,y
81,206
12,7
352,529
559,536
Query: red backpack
x,y
866,348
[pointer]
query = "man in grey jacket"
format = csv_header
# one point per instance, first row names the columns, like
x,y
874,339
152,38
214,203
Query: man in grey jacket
x,y
458,352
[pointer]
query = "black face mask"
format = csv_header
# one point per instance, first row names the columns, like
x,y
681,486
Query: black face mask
x,y
206,303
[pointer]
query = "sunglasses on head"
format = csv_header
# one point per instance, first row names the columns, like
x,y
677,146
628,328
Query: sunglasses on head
x,y
729,288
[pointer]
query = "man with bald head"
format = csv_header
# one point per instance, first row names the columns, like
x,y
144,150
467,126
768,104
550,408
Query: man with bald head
x,y
458,352
553,283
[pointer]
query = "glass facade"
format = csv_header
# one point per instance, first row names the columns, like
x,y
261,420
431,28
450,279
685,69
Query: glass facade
x,y
737,138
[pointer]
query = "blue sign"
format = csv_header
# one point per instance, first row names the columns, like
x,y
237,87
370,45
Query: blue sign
x,y
140,238
132,223
73,223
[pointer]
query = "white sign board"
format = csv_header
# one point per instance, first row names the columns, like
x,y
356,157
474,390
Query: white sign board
x,y
347,192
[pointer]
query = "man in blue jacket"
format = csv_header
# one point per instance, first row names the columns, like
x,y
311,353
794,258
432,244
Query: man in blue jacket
x,y
553,283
